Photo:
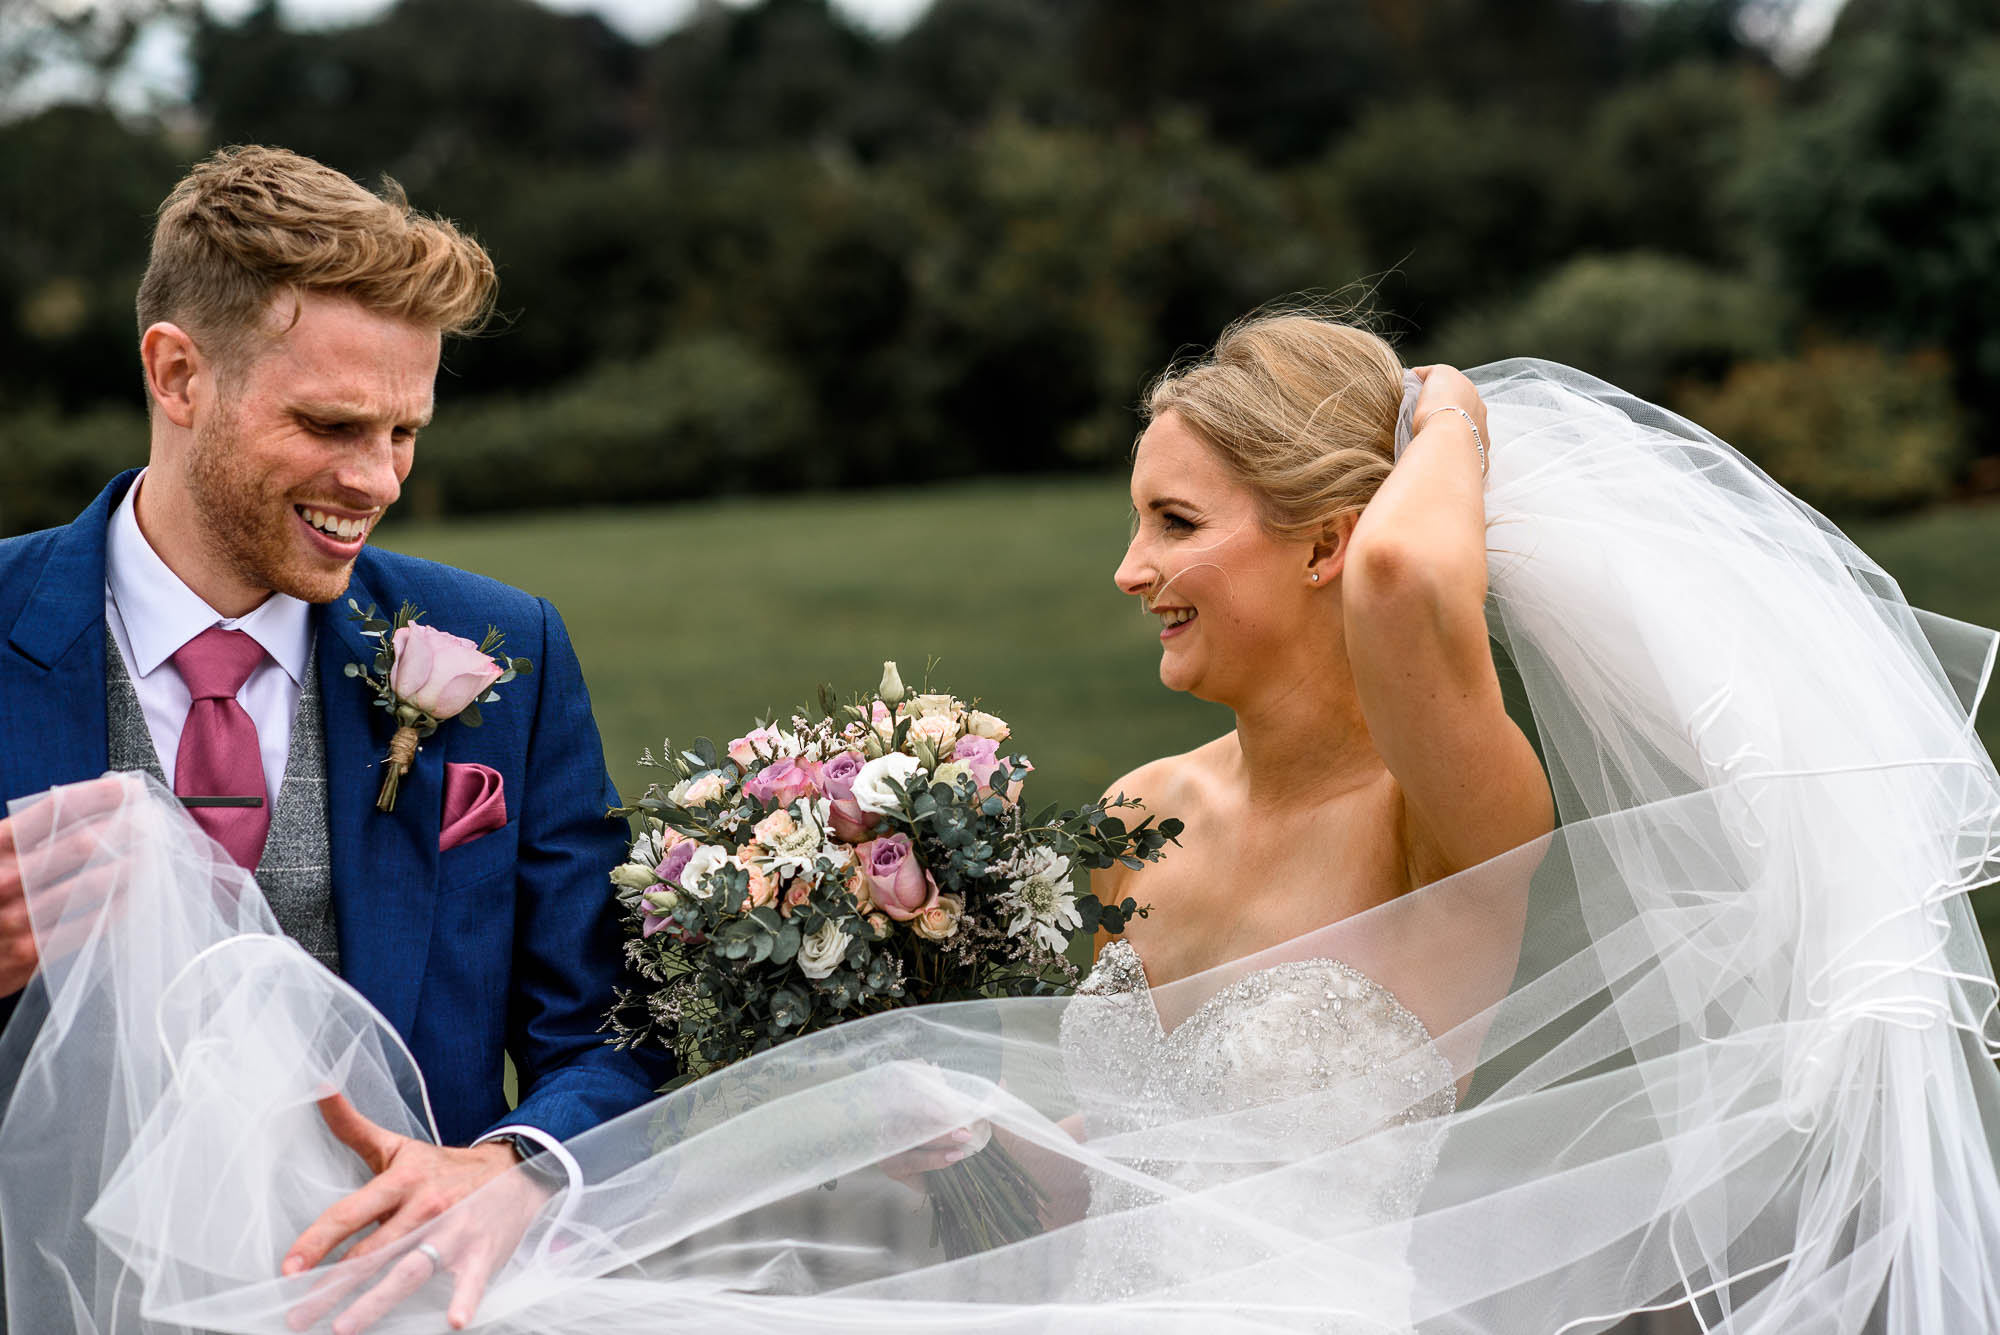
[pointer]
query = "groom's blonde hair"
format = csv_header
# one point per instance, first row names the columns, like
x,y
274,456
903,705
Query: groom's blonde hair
x,y
1299,407
252,223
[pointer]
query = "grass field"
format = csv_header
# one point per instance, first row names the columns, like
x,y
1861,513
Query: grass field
x,y
696,620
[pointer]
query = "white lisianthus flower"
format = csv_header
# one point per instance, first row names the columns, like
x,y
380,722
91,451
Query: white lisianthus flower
x,y
1041,900
931,706
708,858
822,951
892,689
871,786
632,876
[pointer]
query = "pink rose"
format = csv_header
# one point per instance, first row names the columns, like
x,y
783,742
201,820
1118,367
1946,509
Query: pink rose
x,y
438,673
850,823
837,775
982,757
896,881
800,892
782,783
759,744
676,861
655,906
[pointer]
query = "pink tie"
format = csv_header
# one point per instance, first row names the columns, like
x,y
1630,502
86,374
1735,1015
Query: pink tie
x,y
219,755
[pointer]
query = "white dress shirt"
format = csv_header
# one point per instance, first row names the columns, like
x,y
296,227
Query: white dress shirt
x,y
152,613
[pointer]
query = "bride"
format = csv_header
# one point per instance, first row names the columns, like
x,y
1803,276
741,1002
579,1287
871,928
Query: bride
x,y
1392,1050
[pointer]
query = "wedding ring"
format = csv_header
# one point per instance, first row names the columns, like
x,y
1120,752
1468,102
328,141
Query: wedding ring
x,y
436,1258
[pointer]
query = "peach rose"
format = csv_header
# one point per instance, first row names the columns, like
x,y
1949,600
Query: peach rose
x,y
939,922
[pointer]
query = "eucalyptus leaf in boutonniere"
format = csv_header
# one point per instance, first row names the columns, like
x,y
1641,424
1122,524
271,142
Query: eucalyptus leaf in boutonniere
x,y
423,677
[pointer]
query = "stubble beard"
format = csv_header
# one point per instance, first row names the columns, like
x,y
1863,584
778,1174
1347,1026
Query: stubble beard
x,y
246,523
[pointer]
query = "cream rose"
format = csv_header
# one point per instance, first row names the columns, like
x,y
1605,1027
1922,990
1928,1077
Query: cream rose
x,y
822,951
698,790
979,723
940,730
950,773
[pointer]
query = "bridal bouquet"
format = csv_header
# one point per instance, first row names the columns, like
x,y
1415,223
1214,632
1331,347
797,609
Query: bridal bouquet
x,y
874,857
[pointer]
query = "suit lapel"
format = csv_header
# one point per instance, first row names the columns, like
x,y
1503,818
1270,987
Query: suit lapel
x,y
52,728
384,863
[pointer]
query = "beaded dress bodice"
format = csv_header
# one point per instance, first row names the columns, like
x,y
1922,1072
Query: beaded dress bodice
x,y
1298,1064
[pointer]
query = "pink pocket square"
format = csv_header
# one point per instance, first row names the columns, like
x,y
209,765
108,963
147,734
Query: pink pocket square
x,y
473,805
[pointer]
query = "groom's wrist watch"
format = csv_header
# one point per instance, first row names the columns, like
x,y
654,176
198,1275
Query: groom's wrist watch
x,y
534,1156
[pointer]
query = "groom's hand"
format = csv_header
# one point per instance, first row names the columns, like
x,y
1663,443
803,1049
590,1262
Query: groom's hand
x,y
414,1184
75,874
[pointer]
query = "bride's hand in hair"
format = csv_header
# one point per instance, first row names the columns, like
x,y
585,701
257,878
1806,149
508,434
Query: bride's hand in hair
x,y
1447,387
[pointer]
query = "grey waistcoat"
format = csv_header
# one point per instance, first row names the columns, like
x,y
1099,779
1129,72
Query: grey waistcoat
x,y
296,871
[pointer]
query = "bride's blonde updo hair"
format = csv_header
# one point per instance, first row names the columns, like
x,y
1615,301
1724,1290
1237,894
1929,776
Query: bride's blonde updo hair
x,y
1300,408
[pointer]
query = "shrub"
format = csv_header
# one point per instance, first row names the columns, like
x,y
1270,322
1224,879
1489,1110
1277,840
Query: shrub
x,y
1845,426
51,466
1641,321
700,416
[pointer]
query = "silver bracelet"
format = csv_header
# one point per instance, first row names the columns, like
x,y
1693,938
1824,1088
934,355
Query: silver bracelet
x,y
1478,440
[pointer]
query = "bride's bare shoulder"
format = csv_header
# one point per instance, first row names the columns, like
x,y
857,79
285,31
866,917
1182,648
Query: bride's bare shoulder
x,y
1172,783
1181,786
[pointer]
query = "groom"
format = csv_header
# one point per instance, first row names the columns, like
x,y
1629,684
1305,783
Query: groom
x,y
192,623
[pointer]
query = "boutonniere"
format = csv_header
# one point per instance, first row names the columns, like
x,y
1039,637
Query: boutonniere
x,y
425,677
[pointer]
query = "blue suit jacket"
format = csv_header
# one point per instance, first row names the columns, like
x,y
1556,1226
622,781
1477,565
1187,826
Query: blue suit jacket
x,y
507,944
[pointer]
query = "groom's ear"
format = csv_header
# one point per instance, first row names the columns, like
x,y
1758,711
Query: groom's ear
x,y
171,361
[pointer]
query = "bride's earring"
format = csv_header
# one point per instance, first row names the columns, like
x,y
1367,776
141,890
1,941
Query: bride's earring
x,y
1315,576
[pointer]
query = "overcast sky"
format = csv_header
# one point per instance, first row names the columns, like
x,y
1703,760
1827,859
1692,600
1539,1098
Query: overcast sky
x,y
642,19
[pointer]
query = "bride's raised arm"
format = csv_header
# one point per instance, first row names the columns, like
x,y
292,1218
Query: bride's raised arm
x,y
1413,595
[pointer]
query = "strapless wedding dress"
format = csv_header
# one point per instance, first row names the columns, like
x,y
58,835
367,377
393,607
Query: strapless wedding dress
x,y
1330,1057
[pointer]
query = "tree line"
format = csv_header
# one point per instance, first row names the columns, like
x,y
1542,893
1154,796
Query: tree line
x,y
774,249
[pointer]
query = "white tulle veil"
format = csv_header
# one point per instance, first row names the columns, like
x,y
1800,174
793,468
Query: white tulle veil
x,y
1724,1042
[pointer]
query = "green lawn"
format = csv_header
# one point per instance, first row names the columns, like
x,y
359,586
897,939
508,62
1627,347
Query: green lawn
x,y
696,620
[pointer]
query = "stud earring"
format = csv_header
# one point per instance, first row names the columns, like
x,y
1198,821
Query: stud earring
x,y
1315,576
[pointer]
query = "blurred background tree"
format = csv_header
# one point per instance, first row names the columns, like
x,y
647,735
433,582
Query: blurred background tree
x,y
773,247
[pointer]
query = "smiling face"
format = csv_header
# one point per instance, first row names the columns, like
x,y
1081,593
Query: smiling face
x,y
1231,598
285,464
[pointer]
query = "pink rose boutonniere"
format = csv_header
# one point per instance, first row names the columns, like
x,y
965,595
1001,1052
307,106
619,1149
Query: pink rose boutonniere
x,y
425,677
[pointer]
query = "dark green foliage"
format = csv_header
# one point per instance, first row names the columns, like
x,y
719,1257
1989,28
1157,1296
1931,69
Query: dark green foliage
x,y
1846,427
773,249
1641,321
1881,192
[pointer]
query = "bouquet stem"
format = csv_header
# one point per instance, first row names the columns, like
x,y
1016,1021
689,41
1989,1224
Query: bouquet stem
x,y
987,1201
